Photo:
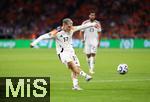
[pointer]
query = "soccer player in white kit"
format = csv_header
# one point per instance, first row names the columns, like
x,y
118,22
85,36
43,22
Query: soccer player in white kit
x,y
64,48
91,40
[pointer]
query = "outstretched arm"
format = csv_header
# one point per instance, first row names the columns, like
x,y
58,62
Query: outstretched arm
x,y
99,33
49,35
99,37
80,27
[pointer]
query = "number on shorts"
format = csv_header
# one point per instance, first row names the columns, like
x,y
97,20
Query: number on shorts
x,y
94,48
75,60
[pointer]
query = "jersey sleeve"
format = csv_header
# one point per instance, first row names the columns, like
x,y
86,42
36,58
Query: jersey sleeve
x,y
99,29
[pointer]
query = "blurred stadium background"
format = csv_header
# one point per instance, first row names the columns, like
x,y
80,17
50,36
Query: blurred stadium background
x,y
27,19
125,24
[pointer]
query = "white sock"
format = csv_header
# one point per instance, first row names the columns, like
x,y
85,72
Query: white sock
x,y
75,82
82,73
92,63
42,37
88,60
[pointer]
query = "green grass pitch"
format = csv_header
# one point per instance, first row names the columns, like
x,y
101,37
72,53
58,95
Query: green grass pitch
x,y
107,85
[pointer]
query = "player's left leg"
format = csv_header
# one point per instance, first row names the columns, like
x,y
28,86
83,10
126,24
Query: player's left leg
x,y
92,63
92,59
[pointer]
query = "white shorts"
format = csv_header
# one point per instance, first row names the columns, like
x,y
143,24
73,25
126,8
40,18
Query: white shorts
x,y
90,48
67,56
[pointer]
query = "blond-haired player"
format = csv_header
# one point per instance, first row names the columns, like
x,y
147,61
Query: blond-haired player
x,y
65,49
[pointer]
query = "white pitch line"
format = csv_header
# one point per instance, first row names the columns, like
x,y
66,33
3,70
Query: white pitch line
x,y
106,81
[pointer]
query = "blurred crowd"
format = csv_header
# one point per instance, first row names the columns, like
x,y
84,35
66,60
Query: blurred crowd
x,y
27,19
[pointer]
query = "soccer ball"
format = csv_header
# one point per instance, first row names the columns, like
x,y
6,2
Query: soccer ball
x,y
122,68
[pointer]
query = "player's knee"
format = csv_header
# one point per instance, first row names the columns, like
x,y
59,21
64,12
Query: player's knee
x,y
70,65
88,55
93,54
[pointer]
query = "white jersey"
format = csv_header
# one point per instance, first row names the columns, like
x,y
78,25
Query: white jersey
x,y
64,41
91,33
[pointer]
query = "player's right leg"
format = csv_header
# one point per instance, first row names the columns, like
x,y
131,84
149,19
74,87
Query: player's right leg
x,y
88,59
